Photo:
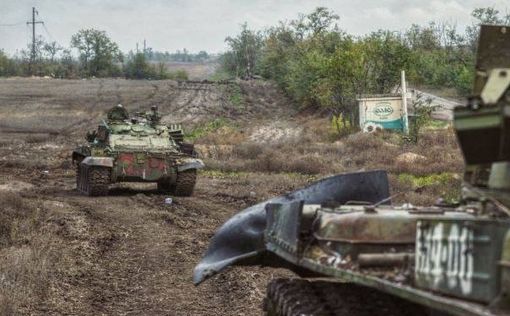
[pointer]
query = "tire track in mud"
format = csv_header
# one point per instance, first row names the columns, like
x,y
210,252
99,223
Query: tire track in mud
x,y
138,254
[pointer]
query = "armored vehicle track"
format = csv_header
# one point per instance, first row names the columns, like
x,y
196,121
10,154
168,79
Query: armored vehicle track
x,y
293,297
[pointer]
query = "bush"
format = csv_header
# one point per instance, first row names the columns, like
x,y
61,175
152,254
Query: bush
x,y
180,75
248,150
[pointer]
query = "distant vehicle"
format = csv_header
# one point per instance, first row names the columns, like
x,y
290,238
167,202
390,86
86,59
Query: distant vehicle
x,y
447,258
136,149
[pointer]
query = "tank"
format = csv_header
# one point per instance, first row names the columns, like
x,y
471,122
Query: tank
x,y
358,254
136,148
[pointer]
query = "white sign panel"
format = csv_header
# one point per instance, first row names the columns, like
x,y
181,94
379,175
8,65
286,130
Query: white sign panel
x,y
381,113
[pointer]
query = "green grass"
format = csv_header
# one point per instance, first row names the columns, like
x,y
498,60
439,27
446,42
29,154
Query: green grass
x,y
445,185
219,75
235,95
203,130
427,180
436,124
222,174
214,173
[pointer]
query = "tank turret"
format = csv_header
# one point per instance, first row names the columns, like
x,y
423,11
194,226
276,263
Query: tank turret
x,y
136,148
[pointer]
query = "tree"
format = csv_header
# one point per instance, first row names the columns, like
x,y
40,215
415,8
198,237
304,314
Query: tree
x,y
245,48
202,55
52,50
487,15
98,53
315,23
7,65
138,68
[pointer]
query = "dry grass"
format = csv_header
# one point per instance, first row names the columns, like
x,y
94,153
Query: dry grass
x,y
37,138
224,135
26,255
438,152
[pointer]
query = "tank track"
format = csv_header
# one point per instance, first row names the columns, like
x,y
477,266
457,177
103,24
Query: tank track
x,y
93,181
166,186
185,183
292,297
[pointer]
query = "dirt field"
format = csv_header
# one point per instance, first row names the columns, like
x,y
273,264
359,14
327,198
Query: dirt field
x,y
129,253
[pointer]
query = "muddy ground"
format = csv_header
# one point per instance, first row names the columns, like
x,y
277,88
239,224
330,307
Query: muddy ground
x,y
128,253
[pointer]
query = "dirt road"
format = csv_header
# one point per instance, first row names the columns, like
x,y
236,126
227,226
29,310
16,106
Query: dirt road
x,y
134,255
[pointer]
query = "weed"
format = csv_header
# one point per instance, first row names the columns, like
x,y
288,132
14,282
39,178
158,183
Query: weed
x,y
219,75
235,95
205,129
340,126
426,180
248,150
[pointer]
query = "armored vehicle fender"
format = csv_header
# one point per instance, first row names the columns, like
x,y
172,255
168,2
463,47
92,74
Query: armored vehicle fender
x,y
189,163
98,161
241,239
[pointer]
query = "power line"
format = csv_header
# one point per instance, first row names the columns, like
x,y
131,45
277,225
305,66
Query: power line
x,y
12,24
48,32
33,22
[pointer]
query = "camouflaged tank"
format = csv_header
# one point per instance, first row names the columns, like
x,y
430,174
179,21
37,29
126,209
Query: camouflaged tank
x,y
357,254
136,149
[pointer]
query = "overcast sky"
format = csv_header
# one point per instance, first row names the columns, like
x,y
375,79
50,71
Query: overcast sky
x,y
203,25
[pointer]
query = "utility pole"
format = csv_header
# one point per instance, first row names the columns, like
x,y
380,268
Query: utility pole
x,y
404,102
144,46
33,22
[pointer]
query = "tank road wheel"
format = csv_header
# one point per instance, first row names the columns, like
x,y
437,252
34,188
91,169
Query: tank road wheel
x,y
166,186
185,182
292,297
93,181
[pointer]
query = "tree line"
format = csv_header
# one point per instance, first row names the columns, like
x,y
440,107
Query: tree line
x,y
319,65
98,56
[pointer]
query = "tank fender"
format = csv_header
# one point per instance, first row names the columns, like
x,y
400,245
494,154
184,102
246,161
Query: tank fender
x,y
190,163
241,239
98,161
80,153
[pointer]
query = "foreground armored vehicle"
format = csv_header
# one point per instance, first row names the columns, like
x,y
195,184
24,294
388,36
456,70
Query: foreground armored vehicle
x,y
136,149
360,255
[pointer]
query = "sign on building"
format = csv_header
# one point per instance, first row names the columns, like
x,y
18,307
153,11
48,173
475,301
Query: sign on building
x,y
381,112
388,111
